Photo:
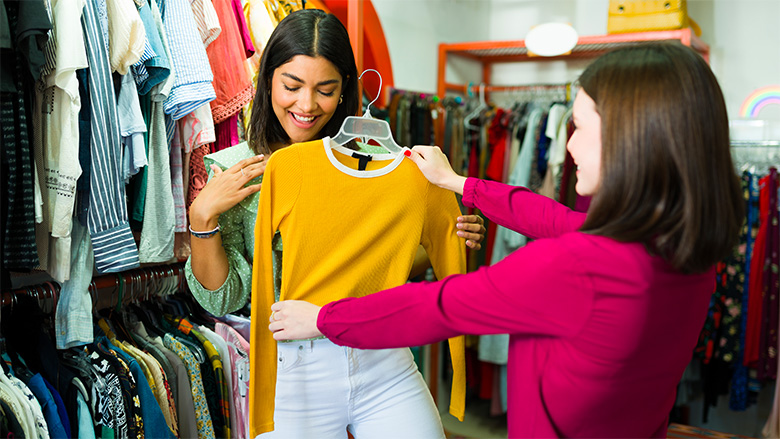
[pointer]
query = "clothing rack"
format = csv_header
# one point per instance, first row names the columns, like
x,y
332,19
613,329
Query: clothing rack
x,y
135,284
421,94
41,292
472,89
508,95
759,155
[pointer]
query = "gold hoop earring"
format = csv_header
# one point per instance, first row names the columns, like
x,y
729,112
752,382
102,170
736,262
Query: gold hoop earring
x,y
341,99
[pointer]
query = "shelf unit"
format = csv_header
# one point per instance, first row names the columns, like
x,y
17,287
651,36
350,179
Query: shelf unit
x,y
492,52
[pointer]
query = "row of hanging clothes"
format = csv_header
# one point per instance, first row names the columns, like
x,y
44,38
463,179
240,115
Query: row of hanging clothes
x,y
159,366
518,137
737,351
108,107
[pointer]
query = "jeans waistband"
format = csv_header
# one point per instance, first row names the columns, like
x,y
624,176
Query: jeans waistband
x,y
322,337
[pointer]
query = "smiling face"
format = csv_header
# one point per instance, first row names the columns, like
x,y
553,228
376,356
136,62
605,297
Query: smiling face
x,y
585,144
305,93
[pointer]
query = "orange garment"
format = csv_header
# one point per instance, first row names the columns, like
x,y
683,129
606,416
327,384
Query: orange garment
x,y
344,236
227,57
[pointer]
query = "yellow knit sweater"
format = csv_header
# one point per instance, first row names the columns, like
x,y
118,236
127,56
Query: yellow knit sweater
x,y
346,233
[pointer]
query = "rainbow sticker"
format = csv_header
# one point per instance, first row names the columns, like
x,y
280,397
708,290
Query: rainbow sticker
x,y
759,99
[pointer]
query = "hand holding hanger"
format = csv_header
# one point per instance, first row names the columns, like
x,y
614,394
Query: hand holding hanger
x,y
435,166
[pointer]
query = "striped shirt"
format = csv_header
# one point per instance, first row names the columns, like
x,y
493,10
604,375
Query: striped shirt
x,y
50,49
154,65
139,69
73,317
206,20
177,183
112,241
193,86
28,21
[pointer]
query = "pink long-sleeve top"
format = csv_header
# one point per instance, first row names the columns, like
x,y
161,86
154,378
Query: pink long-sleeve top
x,y
600,330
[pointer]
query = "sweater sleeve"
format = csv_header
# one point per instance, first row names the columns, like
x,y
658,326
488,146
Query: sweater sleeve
x,y
281,186
521,210
539,290
448,256
445,249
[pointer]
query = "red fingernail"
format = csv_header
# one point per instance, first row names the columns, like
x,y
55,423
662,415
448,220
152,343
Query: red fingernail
x,y
408,153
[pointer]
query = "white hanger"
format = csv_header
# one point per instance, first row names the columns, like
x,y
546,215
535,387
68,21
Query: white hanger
x,y
482,105
367,128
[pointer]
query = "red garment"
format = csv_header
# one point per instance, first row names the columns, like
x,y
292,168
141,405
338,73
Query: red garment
x,y
766,369
226,56
495,171
473,169
595,350
227,134
472,361
497,143
568,175
486,379
756,285
243,29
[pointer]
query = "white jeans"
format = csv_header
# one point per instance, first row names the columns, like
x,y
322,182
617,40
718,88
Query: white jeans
x,y
323,390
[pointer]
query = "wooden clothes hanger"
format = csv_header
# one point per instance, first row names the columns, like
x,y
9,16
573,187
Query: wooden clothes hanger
x,y
367,128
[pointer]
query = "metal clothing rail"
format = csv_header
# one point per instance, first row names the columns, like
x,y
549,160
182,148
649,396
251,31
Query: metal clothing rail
x,y
472,89
754,143
755,155
390,91
134,284
502,94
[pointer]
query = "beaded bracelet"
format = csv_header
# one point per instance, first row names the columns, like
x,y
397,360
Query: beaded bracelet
x,y
204,235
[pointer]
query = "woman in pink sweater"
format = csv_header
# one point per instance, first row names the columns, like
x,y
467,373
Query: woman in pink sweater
x,y
603,309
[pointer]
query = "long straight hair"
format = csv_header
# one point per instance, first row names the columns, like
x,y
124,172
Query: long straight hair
x,y
309,32
667,178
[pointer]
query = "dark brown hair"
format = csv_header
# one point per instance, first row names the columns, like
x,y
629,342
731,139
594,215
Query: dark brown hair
x,y
667,178
309,32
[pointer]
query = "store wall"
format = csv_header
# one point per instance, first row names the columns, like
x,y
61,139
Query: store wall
x,y
744,37
511,20
413,30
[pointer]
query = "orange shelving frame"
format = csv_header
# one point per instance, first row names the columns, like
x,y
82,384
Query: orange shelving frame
x,y
355,30
492,52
